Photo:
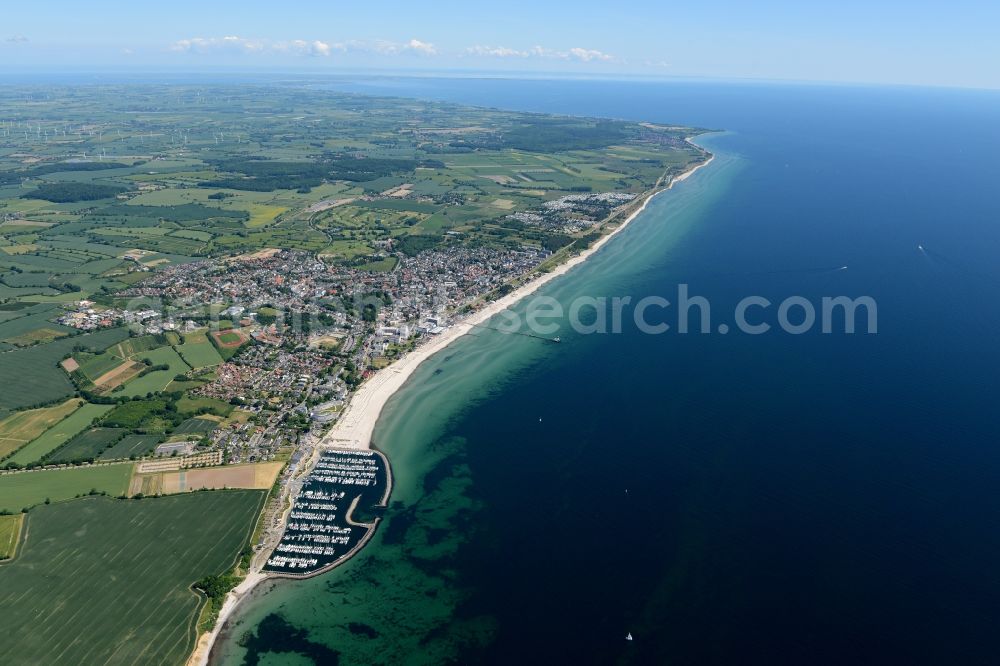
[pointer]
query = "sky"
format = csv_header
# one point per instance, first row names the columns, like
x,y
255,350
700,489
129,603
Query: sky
x,y
894,42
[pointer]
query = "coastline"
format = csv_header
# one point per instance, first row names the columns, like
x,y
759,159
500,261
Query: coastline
x,y
356,426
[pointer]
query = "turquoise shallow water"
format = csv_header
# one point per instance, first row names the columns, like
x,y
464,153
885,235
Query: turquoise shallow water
x,y
724,498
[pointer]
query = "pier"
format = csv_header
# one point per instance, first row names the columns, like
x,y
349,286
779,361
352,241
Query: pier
x,y
524,333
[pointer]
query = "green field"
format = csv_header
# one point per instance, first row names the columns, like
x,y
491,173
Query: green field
x,y
86,446
200,354
18,429
40,379
59,434
19,331
462,167
10,530
133,413
97,365
229,338
196,426
156,380
193,405
131,445
26,489
103,581
132,346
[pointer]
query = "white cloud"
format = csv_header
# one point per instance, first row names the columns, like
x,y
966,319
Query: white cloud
x,y
542,52
424,48
577,53
496,52
17,39
314,48
299,47
235,44
587,55
230,43
385,47
382,46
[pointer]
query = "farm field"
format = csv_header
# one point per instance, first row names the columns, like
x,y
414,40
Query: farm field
x,y
104,581
156,380
134,346
87,445
100,364
10,530
117,376
134,413
131,445
105,372
192,404
254,476
59,434
14,331
26,489
196,426
40,379
199,352
20,428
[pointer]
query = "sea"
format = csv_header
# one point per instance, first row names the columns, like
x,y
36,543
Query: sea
x,y
782,497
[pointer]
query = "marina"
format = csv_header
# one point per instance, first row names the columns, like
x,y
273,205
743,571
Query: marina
x,y
322,530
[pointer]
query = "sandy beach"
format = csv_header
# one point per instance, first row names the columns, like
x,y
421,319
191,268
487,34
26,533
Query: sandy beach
x,y
357,423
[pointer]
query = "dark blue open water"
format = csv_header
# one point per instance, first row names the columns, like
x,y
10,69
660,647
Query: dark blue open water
x,y
811,499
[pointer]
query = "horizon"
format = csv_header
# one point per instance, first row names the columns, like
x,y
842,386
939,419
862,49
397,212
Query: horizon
x,y
854,43
160,74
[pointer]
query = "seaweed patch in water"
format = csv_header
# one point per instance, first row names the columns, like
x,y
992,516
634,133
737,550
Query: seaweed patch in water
x,y
362,629
276,635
